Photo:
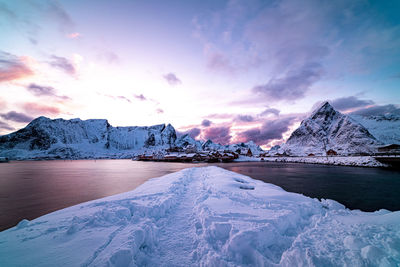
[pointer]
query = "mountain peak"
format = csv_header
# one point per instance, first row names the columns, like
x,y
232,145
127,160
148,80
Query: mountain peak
x,y
323,107
39,120
327,129
325,110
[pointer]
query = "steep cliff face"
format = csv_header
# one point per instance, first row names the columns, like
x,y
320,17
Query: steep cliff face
x,y
46,138
328,129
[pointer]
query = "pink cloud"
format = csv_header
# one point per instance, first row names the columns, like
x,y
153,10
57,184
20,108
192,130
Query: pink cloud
x,y
38,109
74,35
219,135
13,68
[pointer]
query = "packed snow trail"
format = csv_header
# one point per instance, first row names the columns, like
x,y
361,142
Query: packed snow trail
x,y
177,233
205,217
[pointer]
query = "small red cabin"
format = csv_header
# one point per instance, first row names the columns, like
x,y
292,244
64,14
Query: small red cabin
x,y
331,152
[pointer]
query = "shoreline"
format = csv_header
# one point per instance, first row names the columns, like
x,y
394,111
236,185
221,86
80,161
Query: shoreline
x,y
350,161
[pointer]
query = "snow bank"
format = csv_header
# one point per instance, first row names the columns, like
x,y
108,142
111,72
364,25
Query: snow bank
x,y
360,161
205,217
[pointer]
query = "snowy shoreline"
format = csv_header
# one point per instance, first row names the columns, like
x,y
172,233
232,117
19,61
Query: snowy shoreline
x,y
352,161
205,217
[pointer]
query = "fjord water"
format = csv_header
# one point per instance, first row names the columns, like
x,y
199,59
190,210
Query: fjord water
x,y
29,189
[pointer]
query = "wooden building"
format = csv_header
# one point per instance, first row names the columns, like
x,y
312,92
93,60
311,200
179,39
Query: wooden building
x,y
331,152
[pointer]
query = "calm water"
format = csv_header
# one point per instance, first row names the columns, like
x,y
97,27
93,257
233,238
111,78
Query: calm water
x,y
33,188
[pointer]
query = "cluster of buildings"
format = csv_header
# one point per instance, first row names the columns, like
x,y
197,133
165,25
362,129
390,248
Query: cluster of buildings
x,y
191,155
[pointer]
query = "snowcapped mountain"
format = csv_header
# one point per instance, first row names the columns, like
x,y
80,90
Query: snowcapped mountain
x,y
385,128
328,129
59,138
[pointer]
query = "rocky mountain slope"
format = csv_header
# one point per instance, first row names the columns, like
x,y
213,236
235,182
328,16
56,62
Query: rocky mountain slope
x,y
328,129
59,138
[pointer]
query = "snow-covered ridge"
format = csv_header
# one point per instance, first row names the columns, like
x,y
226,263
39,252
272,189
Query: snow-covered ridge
x,y
205,217
385,128
77,138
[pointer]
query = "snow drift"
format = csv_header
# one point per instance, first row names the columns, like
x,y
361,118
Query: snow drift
x,y
205,217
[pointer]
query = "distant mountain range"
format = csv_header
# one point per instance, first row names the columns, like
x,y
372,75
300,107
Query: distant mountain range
x,y
385,128
325,129
44,138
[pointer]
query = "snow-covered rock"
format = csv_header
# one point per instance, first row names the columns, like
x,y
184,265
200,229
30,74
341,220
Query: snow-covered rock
x,y
211,146
186,140
254,148
328,129
59,138
205,217
385,128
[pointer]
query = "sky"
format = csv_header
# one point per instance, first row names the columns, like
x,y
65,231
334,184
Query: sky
x,y
230,71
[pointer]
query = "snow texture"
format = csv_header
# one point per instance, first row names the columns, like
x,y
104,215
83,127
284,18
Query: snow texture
x,y
328,129
356,161
385,128
205,217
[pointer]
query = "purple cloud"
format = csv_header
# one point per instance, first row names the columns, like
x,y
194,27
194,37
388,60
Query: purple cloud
x,y
193,133
206,123
219,135
269,131
268,111
378,110
172,79
292,86
159,111
15,116
63,64
244,118
141,97
39,90
5,126
12,68
124,98
345,103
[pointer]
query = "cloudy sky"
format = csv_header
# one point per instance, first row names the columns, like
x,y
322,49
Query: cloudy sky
x,y
231,71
